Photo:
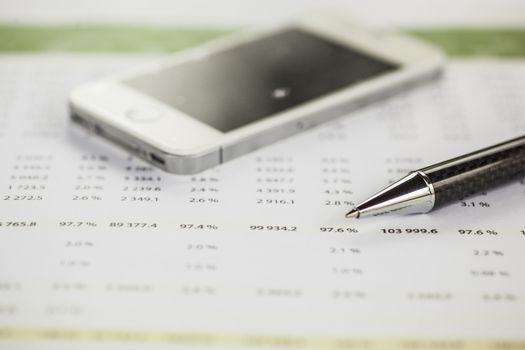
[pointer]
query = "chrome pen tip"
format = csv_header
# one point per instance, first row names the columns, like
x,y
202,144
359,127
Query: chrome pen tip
x,y
353,214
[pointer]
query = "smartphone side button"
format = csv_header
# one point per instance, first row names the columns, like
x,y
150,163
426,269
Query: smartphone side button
x,y
143,115
301,125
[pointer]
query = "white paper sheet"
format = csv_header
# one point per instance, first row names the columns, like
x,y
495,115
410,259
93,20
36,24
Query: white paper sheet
x,y
98,248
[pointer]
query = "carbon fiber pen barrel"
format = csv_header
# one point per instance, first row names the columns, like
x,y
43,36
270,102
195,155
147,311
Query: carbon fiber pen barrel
x,y
476,172
432,187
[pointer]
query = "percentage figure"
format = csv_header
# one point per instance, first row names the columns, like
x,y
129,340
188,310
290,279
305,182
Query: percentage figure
x,y
344,250
485,252
77,224
201,246
79,244
475,204
473,232
339,229
199,227
204,200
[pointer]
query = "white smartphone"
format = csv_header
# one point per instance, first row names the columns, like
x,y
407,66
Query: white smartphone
x,y
200,108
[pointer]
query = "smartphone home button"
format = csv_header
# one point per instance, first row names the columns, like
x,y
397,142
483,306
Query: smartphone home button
x,y
143,114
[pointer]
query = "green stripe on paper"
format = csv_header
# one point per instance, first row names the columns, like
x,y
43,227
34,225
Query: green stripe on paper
x,y
496,42
477,42
102,38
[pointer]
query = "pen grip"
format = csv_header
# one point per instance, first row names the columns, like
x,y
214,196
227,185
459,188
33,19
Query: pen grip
x,y
476,172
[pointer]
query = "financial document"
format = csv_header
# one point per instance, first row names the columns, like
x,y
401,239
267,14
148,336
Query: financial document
x,y
99,249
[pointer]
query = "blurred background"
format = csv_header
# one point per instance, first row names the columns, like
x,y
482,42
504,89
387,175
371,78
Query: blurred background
x,y
411,13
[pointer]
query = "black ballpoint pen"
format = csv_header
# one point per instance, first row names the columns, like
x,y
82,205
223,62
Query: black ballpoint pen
x,y
437,185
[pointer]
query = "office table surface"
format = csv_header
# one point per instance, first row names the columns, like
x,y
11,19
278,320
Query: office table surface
x,y
98,249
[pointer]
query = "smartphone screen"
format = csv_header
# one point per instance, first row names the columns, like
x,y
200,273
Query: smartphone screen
x,y
260,78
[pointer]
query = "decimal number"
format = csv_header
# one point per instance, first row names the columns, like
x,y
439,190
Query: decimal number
x,y
409,230
272,228
29,177
133,224
8,309
275,201
22,198
275,190
138,199
17,223
143,178
28,187
141,188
